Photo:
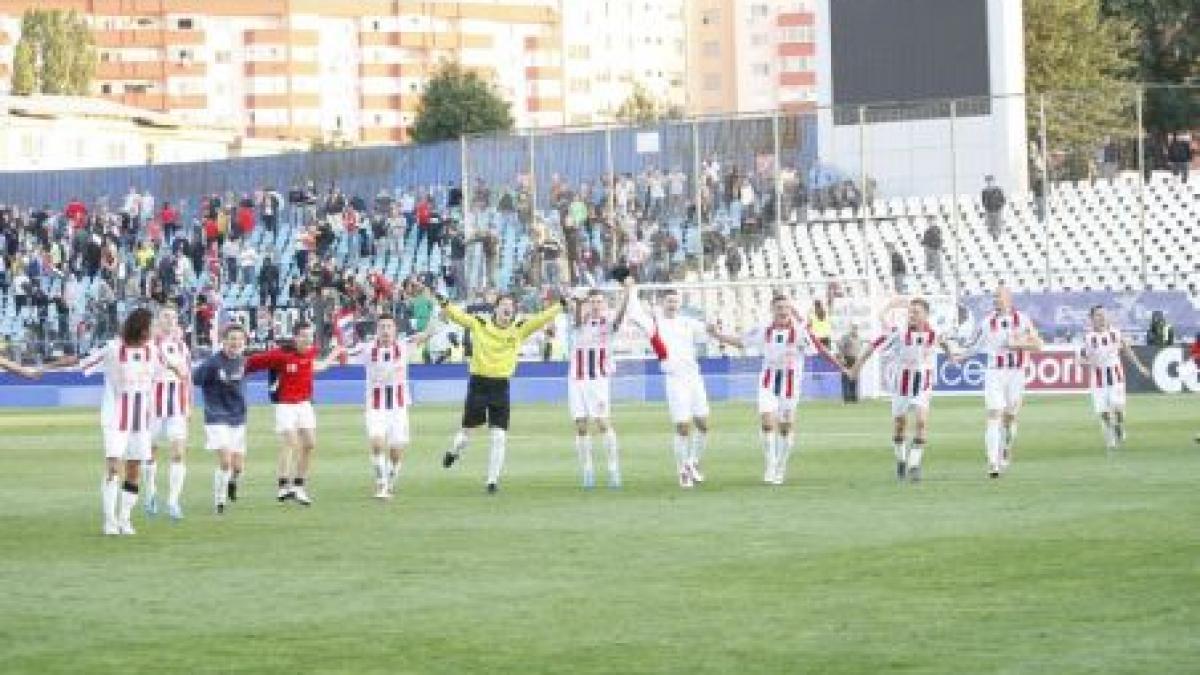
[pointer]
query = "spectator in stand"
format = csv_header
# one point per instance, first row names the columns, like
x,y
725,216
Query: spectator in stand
x,y
131,209
898,266
458,262
269,207
245,218
169,219
268,283
423,213
993,207
145,209
733,262
849,349
932,242
230,252
76,213
248,261
305,242
1161,333
1179,156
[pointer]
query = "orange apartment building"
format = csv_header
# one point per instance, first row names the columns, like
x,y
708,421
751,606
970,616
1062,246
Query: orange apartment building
x,y
310,69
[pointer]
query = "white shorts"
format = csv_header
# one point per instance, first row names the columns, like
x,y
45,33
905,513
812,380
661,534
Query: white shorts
x,y
780,406
225,437
294,417
128,445
902,405
1108,399
589,399
173,428
686,398
1003,388
390,425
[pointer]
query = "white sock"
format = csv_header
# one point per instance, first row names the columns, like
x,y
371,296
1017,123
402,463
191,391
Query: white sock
x,y
993,440
380,463
109,489
460,443
128,499
220,486
583,448
1010,434
915,452
768,445
900,449
614,453
783,451
393,469
681,451
699,439
149,476
496,457
177,473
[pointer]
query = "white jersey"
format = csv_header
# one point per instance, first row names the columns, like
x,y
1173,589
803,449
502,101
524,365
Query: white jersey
x,y
783,352
995,332
1101,353
913,353
172,397
591,349
387,373
677,339
128,384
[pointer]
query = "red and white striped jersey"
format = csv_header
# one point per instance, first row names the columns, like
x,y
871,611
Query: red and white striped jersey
x,y
913,355
1101,353
591,349
171,396
387,373
128,384
783,351
995,332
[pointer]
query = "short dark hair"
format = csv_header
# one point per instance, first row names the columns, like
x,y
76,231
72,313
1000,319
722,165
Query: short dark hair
x,y
671,291
920,302
136,329
595,292
385,317
777,297
1095,308
301,325
233,328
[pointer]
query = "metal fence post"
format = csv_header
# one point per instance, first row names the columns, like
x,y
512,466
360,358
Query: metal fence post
x,y
955,222
1139,102
465,178
610,167
1047,187
533,184
862,178
696,181
778,193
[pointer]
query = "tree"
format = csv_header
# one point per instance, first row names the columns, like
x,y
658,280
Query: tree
x,y
456,103
54,55
1077,59
1167,38
641,108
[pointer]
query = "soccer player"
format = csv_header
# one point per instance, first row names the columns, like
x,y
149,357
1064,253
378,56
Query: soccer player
x,y
128,364
221,380
913,351
388,396
495,342
172,406
295,421
673,337
784,344
1101,353
589,384
1005,336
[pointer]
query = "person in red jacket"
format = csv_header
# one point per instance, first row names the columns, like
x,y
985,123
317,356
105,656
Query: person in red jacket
x,y
292,369
245,217
76,213
169,217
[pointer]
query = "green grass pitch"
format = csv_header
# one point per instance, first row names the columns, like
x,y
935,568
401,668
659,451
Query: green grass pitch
x,y
1074,562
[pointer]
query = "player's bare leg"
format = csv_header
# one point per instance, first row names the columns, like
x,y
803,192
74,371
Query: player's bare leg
x,y
176,475
783,447
900,446
993,438
583,449
1010,435
682,450
283,464
129,496
379,465
769,445
698,445
916,450
150,482
395,461
307,439
612,451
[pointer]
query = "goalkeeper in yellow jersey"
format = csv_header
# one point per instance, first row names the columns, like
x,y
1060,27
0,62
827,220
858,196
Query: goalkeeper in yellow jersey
x,y
495,343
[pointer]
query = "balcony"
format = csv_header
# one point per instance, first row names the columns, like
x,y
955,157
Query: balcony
x,y
790,19
797,49
147,70
161,101
285,132
391,70
379,102
797,79
281,68
150,37
543,73
536,104
283,101
274,36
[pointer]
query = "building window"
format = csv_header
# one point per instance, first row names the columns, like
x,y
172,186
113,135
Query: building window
x,y
222,56
761,69
580,86
710,17
712,82
794,64
711,49
798,34
186,24
106,89
580,52
144,22
759,11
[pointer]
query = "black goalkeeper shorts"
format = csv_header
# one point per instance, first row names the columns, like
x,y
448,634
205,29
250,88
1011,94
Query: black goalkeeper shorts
x,y
487,401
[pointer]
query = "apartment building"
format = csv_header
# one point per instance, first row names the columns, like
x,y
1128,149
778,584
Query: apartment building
x,y
751,55
311,69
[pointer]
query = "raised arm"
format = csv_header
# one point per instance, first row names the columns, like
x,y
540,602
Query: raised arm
x,y
731,340
539,320
331,359
457,314
1127,350
872,347
263,361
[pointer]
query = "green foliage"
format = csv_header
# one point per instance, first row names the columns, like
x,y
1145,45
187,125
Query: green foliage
x,y
55,54
641,108
457,103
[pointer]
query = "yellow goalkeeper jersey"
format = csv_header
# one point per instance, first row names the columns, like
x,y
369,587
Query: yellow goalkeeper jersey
x,y
494,349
